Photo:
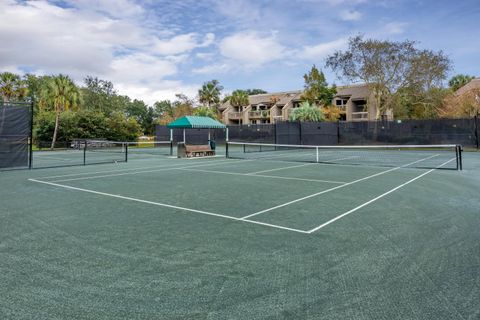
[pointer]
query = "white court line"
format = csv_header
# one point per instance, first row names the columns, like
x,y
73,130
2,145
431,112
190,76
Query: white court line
x,y
166,205
259,175
147,171
376,198
105,171
55,153
60,159
334,188
205,157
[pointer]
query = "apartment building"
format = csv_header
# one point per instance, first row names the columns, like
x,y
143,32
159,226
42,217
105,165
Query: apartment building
x,y
355,100
262,108
358,102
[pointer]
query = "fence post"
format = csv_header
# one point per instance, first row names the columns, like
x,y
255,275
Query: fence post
x,y
300,131
475,119
84,152
30,160
338,132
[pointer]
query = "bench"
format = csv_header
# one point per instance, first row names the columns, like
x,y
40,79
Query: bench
x,y
198,150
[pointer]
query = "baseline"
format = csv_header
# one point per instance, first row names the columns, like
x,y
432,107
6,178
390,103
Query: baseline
x,y
167,205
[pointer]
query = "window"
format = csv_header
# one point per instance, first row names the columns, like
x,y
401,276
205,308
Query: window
x,y
340,102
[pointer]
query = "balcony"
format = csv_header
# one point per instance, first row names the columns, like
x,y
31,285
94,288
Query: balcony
x,y
261,114
359,116
235,115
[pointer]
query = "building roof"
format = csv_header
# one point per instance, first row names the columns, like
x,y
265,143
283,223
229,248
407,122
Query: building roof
x,y
194,122
354,91
472,85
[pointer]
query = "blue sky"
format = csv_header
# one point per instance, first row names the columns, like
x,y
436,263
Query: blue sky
x,y
154,49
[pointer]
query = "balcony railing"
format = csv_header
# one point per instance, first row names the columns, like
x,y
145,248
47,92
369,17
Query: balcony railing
x,y
359,116
235,115
259,114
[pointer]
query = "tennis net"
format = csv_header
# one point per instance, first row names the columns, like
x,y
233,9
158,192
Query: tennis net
x,y
150,148
98,151
412,156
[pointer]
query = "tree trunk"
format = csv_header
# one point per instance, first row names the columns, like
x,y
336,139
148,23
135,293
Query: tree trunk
x,y
57,117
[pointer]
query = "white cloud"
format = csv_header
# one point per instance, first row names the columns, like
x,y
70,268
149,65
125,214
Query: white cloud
x,y
214,68
395,27
113,8
162,91
350,15
43,36
101,38
182,43
141,68
321,50
243,12
251,49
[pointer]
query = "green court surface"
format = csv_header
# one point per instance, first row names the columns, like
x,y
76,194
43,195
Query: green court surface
x,y
164,238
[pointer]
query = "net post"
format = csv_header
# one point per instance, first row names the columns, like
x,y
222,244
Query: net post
x,y
84,152
316,150
226,142
171,142
459,158
30,156
126,152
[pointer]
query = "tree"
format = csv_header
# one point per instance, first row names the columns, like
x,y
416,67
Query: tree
x,y
210,92
100,95
239,98
204,111
412,103
307,112
183,106
316,88
35,85
387,67
459,81
12,86
142,113
170,111
332,113
252,92
62,94
466,105
164,107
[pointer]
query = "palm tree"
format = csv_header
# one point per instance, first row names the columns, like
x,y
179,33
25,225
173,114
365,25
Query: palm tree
x,y
307,112
209,94
61,93
239,98
11,86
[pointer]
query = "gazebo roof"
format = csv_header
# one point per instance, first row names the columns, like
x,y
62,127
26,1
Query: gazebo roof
x,y
194,122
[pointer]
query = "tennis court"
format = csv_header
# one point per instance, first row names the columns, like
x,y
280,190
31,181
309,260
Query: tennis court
x,y
276,233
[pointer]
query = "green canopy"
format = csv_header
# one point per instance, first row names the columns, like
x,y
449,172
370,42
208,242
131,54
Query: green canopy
x,y
194,122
